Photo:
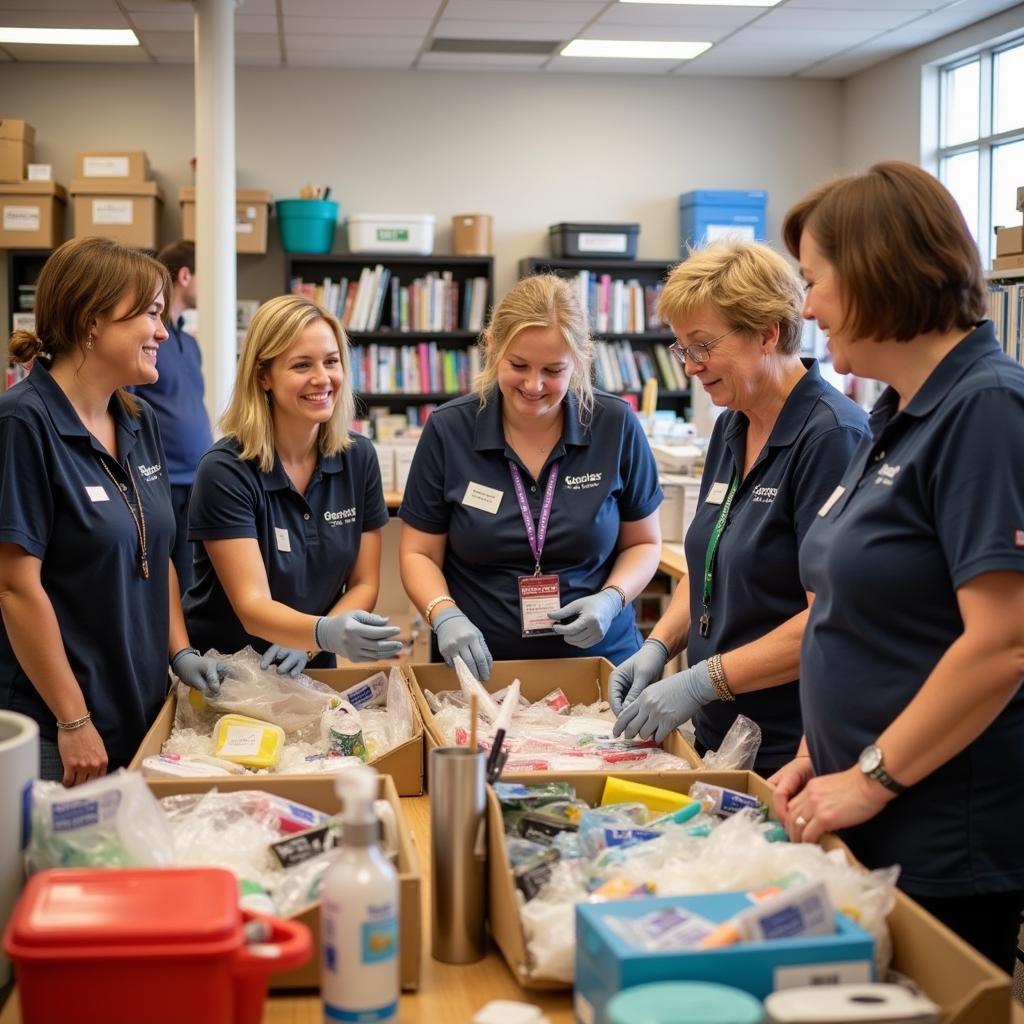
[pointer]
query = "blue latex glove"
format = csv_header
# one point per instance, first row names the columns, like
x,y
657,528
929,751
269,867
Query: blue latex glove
x,y
202,674
289,660
593,615
628,681
358,636
457,635
666,705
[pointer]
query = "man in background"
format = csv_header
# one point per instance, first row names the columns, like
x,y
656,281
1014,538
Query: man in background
x,y
177,398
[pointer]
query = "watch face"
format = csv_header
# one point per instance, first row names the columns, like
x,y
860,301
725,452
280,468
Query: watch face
x,y
870,758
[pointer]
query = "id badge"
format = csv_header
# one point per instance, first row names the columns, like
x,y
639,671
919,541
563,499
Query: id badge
x,y
538,595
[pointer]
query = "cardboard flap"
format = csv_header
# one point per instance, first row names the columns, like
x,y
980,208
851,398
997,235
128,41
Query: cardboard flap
x,y
109,187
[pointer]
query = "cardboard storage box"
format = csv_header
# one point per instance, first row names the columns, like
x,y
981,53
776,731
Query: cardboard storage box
x,y
128,212
582,241
252,210
1009,241
17,148
32,215
582,680
1008,262
968,987
403,763
319,794
119,165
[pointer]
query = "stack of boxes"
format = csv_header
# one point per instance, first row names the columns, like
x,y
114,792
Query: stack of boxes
x,y
31,212
1010,242
114,197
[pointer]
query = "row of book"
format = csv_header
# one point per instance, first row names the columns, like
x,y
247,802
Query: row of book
x,y
617,306
1006,308
413,369
378,301
620,367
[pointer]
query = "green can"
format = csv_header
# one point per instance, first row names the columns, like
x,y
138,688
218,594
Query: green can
x,y
346,737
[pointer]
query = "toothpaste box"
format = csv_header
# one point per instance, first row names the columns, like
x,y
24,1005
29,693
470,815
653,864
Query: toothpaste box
x,y
621,944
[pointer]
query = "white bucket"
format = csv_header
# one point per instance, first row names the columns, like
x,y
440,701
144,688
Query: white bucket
x,y
19,766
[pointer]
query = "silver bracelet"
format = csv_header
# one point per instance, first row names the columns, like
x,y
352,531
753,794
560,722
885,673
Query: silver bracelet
x,y
718,680
77,723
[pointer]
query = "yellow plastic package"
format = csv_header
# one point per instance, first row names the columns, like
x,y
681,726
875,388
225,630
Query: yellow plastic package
x,y
661,801
248,741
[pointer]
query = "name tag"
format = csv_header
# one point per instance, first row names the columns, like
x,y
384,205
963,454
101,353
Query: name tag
x,y
487,499
831,500
97,494
717,493
284,542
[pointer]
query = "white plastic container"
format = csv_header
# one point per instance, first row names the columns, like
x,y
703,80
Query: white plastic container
x,y
391,232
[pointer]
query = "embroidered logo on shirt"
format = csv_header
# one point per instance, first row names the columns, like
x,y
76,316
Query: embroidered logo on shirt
x,y
887,474
1018,538
150,473
344,517
583,481
765,495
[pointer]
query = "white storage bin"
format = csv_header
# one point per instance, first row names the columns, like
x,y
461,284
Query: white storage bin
x,y
391,232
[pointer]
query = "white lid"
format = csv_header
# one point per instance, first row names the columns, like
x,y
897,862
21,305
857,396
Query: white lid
x,y
391,218
507,1011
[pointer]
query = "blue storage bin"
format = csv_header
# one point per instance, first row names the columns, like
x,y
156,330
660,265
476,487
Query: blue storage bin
x,y
708,214
606,963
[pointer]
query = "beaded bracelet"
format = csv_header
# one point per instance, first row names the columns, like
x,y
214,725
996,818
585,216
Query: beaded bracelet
x,y
433,604
618,590
718,680
76,724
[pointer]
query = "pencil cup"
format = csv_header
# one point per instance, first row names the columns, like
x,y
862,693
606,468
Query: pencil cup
x,y
458,855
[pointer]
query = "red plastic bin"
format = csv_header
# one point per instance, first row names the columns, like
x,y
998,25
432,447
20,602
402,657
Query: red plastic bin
x,y
164,946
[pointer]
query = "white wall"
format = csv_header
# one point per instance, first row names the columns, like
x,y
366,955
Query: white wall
x,y
883,107
530,149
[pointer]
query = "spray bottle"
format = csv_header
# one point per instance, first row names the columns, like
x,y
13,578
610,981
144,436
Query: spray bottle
x,y
359,979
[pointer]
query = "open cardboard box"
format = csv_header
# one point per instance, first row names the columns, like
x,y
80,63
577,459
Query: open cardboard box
x,y
582,680
403,763
968,987
318,792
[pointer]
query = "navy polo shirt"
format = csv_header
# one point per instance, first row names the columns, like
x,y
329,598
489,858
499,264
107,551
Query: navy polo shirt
x,y
934,498
309,542
58,504
177,400
606,476
756,585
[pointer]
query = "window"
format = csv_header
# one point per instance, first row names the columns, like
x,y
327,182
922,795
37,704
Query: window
x,y
981,138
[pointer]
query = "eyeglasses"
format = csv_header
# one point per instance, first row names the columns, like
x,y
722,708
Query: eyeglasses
x,y
698,352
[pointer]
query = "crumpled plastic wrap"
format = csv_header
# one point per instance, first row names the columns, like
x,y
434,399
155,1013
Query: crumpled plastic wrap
x,y
111,822
738,749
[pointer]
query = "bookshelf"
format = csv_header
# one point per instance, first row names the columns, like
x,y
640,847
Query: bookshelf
x,y
23,267
1006,309
413,321
632,345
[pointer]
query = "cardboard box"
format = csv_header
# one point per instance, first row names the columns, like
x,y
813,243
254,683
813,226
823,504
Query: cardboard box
x,y
403,763
32,215
319,794
252,210
1010,241
582,680
1020,198
606,963
1008,262
968,987
17,148
112,165
128,212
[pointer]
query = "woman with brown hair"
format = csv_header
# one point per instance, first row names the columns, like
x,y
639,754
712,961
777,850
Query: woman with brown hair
x,y
913,655
88,596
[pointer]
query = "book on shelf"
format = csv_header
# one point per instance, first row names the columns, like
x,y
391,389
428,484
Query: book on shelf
x,y
425,368
622,367
1006,308
617,305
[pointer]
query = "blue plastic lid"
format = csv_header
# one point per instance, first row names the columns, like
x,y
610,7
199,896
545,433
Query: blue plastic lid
x,y
684,1002
724,197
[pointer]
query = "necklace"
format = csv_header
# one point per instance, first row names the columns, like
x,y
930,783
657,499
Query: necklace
x,y
550,436
139,517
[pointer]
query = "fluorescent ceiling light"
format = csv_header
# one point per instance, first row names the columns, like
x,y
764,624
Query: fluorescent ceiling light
x,y
70,36
708,3
634,49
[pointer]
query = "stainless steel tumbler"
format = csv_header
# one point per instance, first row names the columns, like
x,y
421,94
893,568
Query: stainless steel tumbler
x,y
458,855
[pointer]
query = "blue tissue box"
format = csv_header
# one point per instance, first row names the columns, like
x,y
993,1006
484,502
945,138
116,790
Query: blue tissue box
x,y
708,214
606,963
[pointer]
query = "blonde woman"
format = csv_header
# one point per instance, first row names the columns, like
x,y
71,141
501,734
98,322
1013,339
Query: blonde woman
x,y
774,457
530,518
288,506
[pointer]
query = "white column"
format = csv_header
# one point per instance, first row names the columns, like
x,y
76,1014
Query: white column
x,y
215,196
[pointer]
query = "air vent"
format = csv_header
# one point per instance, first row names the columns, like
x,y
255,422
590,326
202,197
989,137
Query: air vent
x,y
528,47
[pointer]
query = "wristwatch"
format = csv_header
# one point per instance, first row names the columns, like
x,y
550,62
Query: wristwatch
x,y
870,763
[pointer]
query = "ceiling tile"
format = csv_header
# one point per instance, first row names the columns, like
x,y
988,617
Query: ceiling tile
x,y
306,59
352,44
679,17
556,31
62,19
579,11
872,5
482,61
825,41
603,65
362,8
169,44
255,7
155,5
77,54
263,24
96,6
659,33
357,26
847,64
179,20
838,17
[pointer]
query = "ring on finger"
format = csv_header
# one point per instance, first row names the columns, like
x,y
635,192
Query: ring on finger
x,y
800,821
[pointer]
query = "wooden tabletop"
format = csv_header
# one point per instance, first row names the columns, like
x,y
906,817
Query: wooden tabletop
x,y
673,560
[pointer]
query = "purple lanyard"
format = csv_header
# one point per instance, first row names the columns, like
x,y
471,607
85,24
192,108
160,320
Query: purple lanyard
x,y
535,534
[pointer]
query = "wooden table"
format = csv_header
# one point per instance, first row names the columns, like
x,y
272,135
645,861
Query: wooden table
x,y
673,560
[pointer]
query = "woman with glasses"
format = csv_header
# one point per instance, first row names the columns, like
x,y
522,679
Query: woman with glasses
x,y
774,457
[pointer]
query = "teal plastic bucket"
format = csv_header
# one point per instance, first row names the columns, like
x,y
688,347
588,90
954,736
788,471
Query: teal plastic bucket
x,y
307,225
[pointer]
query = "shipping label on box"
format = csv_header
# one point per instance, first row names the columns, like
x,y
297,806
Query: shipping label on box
x,y
113,165
22,218
113,211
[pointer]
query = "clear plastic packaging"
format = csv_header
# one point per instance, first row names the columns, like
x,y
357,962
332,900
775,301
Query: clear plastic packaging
x,y
738,749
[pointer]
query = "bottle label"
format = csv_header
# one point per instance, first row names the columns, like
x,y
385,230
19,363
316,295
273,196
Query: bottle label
x,y
388,1012
379,940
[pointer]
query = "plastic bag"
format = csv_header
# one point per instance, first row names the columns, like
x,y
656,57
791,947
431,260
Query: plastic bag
x,y
112,822
738,749
470,685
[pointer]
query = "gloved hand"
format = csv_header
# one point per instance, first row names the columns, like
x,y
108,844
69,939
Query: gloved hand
x,y
358,636
457,635
289,660
202,674
627,682
594,614
665,705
